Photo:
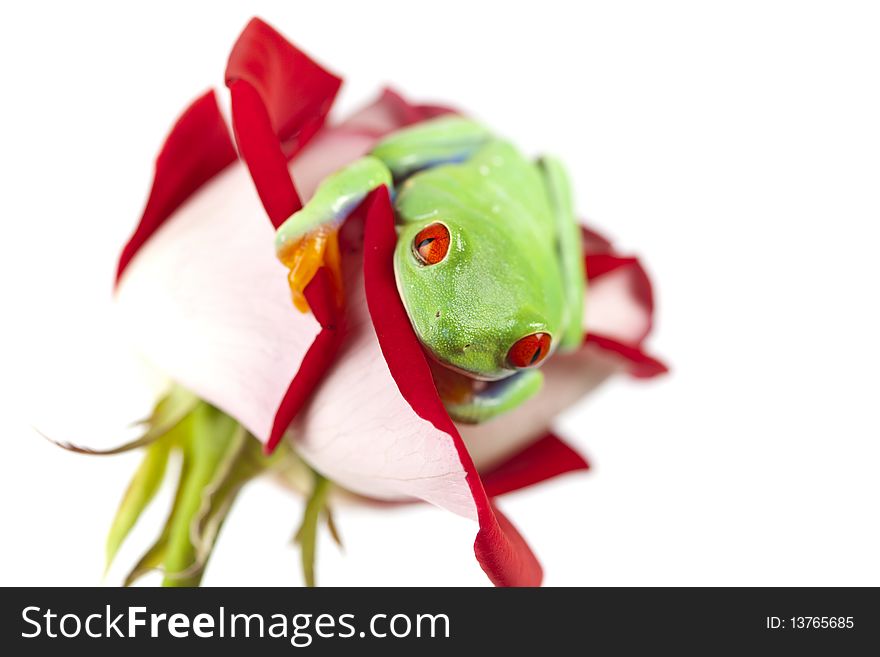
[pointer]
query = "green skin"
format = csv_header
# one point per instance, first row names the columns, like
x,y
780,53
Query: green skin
x,y
514,266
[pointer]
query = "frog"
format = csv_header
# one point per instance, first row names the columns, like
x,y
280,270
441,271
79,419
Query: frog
x,y
489,261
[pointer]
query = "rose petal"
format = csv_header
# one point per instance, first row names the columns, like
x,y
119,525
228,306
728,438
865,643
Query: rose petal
x,y
620,306
358,429
331,150
546,458
620,302
567,379
500,549
375,423
503,553
279,96
228,330
197,148
391,111
262,153
335,147
639,364
207,302
318,358
280,99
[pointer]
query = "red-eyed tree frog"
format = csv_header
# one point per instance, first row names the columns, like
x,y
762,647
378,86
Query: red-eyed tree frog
x,y
489,262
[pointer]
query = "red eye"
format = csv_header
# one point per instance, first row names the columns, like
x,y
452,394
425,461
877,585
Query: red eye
x,y
431,244
529,351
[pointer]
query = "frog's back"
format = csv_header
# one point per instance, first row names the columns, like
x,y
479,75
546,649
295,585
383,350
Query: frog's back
x,y
497,186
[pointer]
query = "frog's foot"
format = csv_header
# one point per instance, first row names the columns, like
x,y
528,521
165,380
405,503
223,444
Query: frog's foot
x,y
305,255
309,239
472,401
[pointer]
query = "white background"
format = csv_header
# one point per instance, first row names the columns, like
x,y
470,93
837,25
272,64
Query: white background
x,y
735,146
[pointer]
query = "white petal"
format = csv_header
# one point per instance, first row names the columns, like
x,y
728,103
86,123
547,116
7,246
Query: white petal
x,y
567,378
614,310
359,430
206,301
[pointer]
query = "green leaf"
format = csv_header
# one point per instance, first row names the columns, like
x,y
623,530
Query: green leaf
x,y
162,433
168,413
210,434
155,556
218,458
140,492
152,560
224,457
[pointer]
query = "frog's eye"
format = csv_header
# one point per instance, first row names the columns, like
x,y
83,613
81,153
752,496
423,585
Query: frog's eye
x,y
529,351
431,244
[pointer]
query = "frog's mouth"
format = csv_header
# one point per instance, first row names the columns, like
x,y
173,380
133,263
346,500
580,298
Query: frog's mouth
x,y
459,390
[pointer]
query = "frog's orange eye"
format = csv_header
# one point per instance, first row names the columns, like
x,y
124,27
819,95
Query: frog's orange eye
x,y
431,244
529,351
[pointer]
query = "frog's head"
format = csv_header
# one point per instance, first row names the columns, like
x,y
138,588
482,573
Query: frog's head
x,y
475,298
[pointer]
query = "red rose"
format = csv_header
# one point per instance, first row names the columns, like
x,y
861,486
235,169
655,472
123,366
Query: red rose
x,y
207,302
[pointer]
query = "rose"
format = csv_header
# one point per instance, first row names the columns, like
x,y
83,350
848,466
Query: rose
x,y
207,302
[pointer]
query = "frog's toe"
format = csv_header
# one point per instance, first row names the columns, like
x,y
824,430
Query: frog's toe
x,y
305,255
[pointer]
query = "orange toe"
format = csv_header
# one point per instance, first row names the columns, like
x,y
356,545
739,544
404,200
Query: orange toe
x,y
306,255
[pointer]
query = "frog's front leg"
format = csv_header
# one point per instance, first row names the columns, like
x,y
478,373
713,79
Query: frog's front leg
x,y
437,141
472,402
308,240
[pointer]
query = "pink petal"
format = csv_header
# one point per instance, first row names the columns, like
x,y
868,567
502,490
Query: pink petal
x,y
317,360
567,379
396,112
619,301
357,427
500,549
197,148
206,302
620,306
335,147
280,99
374,423
329,151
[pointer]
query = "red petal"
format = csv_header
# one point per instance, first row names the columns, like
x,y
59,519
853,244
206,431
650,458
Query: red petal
x,y
197,148
640,364
280,99
262,153
601,261
501,551
405,113
504,554
594,242
322,302
600,264
544,459
390,112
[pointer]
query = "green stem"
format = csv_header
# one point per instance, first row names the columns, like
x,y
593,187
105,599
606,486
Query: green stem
x,y
307,535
